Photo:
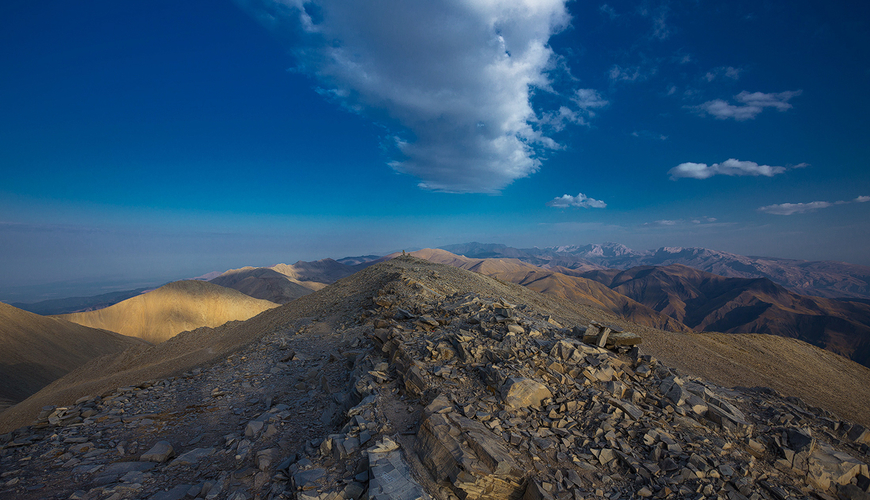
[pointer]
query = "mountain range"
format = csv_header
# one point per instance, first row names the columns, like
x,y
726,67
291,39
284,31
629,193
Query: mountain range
x,y
679,298
671,297
817,278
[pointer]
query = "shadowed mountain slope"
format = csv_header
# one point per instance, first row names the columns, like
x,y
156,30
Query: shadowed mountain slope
x,y
320,271
707,302
35,350
163,313
575,289
283,283
265,283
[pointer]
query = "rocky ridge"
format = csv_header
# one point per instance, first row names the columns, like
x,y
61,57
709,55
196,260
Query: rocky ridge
x,y
432,391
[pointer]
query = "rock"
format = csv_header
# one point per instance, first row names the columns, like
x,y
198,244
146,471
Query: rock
x,y
192,457
470,457
734,422
633,411
308,479
160,452
252,430
390,478
859,434
535,491
524,392
826,465
175,493
516,329
112,472
265,458
385,445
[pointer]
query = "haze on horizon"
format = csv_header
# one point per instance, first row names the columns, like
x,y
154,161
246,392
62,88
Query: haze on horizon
x,y
148,142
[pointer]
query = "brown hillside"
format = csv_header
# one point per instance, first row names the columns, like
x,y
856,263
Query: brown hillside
x,y
267,284
163,313
576,289
35,350
320,271
707,302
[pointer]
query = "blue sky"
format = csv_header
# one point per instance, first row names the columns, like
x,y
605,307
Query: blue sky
x,y
151,141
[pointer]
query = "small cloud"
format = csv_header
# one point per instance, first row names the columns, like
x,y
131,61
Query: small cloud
x,y
672,90
799,208
704,220
666,222
609,11
751,105
726,71
730,167
659,17
619,74
587,99
794,208
645,134
733,73
579,201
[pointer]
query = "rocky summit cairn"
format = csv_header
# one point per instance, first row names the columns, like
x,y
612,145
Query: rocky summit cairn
x,y
433,391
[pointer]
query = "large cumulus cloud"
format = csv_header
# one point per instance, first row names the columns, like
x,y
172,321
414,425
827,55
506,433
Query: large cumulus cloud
x,y
454,78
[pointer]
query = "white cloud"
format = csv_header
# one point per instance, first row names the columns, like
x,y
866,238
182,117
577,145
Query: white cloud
x,y
659,17
619,74
794,208
799,208
456,77
646,134
730,167
579,201
726,71
683,222
751,104
609,11
586,99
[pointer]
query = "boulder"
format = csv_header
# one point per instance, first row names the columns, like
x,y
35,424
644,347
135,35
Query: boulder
x,y
468,456
524,392
160,452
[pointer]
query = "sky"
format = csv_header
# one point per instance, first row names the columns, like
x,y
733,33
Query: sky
x,y
142,142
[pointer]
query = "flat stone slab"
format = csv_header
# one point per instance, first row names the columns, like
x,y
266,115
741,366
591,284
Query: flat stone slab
x,y
160,452
390,478
193,456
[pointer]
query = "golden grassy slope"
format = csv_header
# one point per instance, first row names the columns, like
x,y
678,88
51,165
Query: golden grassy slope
x,y
165,312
